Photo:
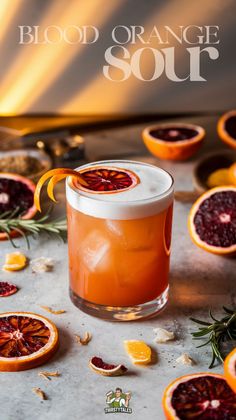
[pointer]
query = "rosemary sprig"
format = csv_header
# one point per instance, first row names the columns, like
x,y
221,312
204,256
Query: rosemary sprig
x,y
9,222
219,332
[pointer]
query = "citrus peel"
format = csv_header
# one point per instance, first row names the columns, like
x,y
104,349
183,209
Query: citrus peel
x,y
58,174
230,369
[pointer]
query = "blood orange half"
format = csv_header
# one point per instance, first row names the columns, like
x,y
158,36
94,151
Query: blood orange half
x,y
16,194
27,340
202,396
173,141
98,180
230,369
226,128
212,220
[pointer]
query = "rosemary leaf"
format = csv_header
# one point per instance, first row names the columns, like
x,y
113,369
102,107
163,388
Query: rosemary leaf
x,y
218,332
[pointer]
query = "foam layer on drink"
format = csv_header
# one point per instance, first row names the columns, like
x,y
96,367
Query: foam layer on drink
x,y
151,196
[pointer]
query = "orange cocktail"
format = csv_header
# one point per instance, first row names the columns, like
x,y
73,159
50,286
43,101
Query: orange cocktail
x,y
119,244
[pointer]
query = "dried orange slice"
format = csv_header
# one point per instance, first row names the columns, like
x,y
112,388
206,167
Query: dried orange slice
x,y
173,141
97,179
218,177
15,261
226,128
138,351
212,220
232,174
105,369
230,369
199,396
27,340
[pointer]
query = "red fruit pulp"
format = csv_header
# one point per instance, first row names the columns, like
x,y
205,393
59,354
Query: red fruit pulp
x,y
15,194
173,133
205,398
215,220
99,363
22,336
7,289
105,179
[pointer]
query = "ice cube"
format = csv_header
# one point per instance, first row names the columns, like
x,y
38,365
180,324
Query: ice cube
x,y
130,235
95,251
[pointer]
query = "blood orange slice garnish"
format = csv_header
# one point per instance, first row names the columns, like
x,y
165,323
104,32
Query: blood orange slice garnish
x,y
7,289
202,396
212,220
103,179
99,179
105,369
16,195
27,340
230,369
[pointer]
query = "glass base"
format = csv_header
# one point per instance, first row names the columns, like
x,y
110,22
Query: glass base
x,y
121,313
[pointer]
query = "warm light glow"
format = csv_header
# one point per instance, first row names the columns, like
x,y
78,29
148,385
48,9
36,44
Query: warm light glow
x,y
39,70
39,65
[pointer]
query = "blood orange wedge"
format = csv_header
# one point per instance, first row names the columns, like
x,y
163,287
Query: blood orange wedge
x,y
99,180
27,340
230,369
212,220
16,195
105,369
202,396
173,141
226,128
7,289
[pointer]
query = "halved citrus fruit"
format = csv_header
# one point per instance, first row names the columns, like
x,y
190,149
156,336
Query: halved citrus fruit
x,y
230,369
212,220
16,195
199,396
15,261
226,128
173,141
232,173
27,340
105,369
138,351
99,180
218,178
7,289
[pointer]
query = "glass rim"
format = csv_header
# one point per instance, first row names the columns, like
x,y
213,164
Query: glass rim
x,y
122,202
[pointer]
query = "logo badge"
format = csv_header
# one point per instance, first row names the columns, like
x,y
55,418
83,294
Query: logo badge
x,y
118,402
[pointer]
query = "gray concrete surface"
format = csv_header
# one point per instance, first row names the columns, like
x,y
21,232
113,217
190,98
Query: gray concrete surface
x,y
198,281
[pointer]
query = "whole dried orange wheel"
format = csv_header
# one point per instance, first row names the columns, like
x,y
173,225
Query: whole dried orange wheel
x,y
202,396
212,220
27,340
226,128
138,351
173,141
232,174
230,369
99,180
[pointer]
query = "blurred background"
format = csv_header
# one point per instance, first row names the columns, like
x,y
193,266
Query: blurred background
x,y
67,78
